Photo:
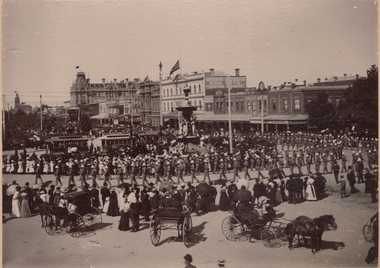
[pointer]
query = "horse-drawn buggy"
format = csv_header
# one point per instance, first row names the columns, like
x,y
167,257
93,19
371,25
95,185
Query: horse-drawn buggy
x,y
165,218
260,225
75,218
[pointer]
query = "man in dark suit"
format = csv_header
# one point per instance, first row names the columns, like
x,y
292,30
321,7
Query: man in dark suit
x,y
351,180
94,195
105,192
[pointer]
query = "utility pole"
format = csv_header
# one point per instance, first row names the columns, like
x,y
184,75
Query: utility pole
x,y
262,114
161,119
229,85
41,112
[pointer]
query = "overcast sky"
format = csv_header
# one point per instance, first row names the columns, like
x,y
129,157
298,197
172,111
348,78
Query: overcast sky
x,y
271,41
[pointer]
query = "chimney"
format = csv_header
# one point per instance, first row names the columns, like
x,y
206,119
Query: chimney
x,y
345,75
335,78
318,80
284,83
296,80
114,80
293,85
236,72
289,83
212,72
356,76
326,79
275,88
104,82
304,82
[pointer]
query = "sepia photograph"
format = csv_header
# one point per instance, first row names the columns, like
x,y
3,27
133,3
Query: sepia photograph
x,y
168,133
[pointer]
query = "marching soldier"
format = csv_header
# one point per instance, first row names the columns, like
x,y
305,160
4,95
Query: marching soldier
x,y
325,161
144,171
236,169
192,170
206,170
157,166
216,162
246,165
308,164
299,166
222,169
317,162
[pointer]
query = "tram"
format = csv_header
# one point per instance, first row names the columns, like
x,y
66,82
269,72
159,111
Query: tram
x,y
112,140
60,144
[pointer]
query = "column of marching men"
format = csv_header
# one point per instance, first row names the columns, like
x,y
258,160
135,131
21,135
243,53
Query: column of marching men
x,y
284,155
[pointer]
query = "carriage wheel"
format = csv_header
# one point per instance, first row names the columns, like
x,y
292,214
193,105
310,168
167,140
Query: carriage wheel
x,y
281,234
187,231
155,230
75,225
368,233
328,190
93,219
269,238
49,225
232,228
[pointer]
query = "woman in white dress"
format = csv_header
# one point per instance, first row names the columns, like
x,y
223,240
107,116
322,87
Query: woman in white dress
x,y
16,207
310,190
20,170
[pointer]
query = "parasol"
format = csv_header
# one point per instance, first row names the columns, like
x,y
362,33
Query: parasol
x,y
243,195
46,184
166,185
274,172
124,185
203,188
11,190
242,182
219,182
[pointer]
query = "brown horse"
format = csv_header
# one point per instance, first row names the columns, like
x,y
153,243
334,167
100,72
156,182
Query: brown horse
x,y
313,228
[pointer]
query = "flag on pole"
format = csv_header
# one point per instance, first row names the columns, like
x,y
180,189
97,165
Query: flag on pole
x,y
175,68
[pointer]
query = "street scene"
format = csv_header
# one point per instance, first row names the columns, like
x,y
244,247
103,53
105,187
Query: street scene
x,y
165,166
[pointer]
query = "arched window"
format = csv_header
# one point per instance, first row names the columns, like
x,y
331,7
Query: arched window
x,y
176,91
164,106
195,89
167,91
200,105
200,90
171,104
171,92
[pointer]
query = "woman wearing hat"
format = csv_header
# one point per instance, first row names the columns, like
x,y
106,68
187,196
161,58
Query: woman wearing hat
x,y
16,203
113,209
25,210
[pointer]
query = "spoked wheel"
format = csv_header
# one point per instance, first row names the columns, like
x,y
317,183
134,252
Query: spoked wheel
x,y
281,234
187,231
93,219
368,233
49,225
269,238
232,228
75,225
328,190
155,230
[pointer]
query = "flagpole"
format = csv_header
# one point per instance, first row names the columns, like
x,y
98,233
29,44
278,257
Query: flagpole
x,y
229,85
161,120
180,61
4,116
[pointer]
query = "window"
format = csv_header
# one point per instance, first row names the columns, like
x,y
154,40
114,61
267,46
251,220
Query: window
x,y
237,105
232,106
296,103
199,89
176,91
171,106
217,106
167,91
242,105
253,106
200,105
171,92
274,104
248,105
260,105
285,104
195,89
164,106
227,106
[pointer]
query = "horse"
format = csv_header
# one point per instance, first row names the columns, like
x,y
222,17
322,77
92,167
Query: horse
x,y
372,255
312,228
43,208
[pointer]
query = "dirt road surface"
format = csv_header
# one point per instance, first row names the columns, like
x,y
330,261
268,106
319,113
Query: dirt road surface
x,y
26,244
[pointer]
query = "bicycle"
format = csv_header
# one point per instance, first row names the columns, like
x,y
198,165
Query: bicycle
x,y
368,232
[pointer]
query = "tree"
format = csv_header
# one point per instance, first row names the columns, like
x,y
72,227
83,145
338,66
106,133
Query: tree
x,y
322,113
85,124
359,107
